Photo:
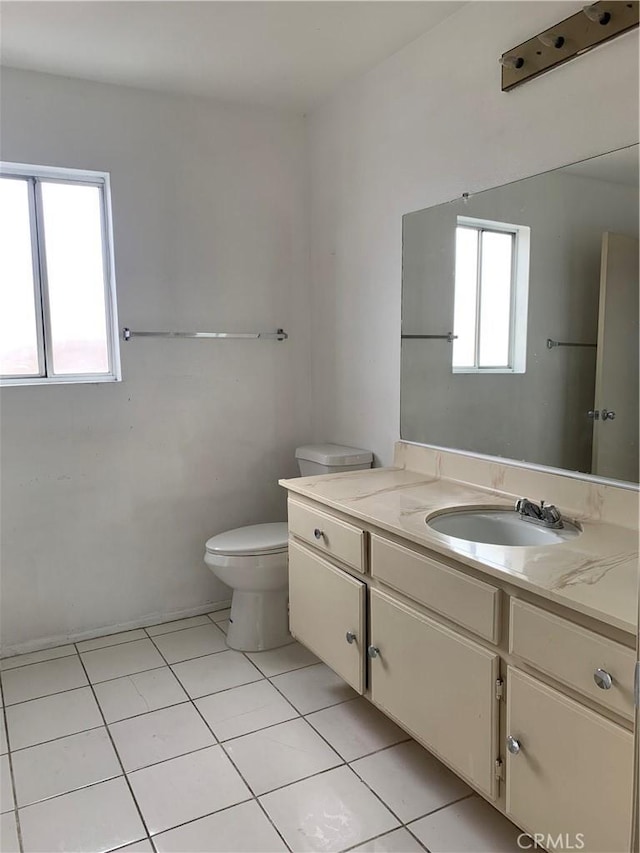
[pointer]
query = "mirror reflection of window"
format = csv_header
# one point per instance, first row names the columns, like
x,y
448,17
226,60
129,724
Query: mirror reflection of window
x,y
490,301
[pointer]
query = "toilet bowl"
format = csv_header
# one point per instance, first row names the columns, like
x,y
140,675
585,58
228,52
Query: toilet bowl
x,y
253,560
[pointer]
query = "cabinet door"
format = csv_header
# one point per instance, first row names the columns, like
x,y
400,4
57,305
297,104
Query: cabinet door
x,y
438,685
571,774
326,613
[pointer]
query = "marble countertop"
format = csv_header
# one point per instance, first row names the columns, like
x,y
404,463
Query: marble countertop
x,y
596,573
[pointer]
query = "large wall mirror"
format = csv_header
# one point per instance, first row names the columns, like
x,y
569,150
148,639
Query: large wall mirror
x,y
520,320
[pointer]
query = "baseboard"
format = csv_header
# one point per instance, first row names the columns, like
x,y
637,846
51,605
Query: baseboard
x,y
144,622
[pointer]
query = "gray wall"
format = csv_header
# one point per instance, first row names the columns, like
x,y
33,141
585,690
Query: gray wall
x,y
110,491
538,416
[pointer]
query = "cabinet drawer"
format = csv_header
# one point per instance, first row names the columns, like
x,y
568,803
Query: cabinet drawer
x,y
341,540
469,602
325,604
572,654
572,775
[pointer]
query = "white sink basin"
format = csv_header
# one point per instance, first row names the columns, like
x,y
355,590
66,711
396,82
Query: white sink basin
x,y
499,527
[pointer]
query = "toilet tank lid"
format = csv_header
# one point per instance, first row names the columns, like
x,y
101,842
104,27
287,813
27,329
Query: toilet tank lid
x,y
333,454
254,539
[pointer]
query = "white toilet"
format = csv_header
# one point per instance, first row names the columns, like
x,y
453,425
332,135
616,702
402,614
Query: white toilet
x,y
253,560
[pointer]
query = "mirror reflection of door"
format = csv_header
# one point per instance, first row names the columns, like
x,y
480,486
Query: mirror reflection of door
x,y
615,432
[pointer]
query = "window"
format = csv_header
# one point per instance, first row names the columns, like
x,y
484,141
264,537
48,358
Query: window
x,y
491,295
57,298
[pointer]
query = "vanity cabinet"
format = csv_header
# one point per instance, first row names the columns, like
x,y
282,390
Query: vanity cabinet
x,y
327,613
568,769
440,686
527,702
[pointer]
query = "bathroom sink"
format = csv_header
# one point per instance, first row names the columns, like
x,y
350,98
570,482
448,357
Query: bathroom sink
x,y
499,527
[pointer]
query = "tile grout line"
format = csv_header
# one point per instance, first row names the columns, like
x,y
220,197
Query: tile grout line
x,y
435,811
54,739
75,643
378,796
7,669
233,764
353,770
343,762
254,796
138,672
124,773
184,701
16,813
192,701
218,742
376,837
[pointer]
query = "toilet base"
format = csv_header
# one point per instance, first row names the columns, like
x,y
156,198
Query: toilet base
x,y
258,621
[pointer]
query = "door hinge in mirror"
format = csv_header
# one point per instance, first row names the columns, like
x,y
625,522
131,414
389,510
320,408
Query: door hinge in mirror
x,y
499,771
499,689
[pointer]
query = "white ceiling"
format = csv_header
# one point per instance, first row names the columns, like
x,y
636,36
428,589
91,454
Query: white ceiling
x,y
278,54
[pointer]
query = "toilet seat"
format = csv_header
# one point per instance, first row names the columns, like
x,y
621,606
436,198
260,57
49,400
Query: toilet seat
x,y
253,540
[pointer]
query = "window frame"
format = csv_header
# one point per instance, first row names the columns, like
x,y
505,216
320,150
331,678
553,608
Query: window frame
x,y
519,295
35,175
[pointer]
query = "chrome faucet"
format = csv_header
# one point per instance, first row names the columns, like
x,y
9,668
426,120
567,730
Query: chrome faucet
x,y
548,515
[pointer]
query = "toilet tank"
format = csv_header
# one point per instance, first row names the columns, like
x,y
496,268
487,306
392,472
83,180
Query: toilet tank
x,y
314,459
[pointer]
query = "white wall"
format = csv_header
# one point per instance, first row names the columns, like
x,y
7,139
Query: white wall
x,y
110,491
423,127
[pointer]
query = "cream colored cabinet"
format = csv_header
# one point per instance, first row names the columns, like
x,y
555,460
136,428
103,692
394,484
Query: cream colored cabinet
x,y
327,613
438,685
559,769
569,770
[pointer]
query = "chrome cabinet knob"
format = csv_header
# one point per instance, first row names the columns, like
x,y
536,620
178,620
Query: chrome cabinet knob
x,y
607,415
318,533
594,414
373,652
603,679
513,745
351,637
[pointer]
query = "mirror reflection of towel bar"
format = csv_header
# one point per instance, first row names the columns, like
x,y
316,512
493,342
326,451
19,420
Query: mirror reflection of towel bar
x,y
448,337
551,344
279,335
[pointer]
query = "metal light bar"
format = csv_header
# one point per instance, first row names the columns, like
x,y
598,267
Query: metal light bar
x,y
278,335
591,26
551,344
448,337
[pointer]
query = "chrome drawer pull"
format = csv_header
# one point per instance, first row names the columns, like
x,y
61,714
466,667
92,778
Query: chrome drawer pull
x,y
373,652
318,533
351,637
603,679
513,745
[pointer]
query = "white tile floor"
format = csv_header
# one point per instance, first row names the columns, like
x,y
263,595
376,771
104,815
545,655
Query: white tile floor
x,y
164,740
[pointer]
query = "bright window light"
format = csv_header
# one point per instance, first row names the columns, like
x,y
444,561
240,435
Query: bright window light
x,y
57,299
490,302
